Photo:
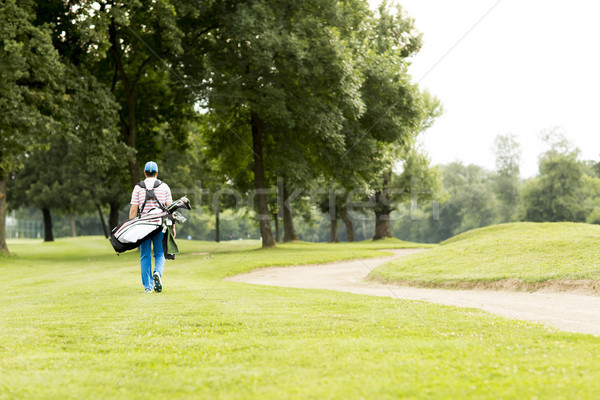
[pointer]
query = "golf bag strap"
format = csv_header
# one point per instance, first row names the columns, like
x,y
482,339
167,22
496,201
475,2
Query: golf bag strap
x,y
149,194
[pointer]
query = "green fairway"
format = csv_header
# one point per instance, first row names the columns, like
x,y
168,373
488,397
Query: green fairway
x,y
75,324
533,253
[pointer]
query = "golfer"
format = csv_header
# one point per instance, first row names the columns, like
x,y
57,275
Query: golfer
x,y
142,201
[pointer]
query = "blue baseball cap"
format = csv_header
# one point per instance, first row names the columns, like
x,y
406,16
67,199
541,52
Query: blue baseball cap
x,y
151,167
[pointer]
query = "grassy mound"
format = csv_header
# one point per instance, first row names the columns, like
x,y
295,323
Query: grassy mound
x,y
531,254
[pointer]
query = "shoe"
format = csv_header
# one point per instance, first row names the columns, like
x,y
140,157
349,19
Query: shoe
x,y
148,290
157,282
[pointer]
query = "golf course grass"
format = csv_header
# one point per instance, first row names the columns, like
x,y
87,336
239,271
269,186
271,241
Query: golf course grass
x,y
533,254
75,324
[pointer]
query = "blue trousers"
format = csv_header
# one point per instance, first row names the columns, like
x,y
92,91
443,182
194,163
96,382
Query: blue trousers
x,y
146,259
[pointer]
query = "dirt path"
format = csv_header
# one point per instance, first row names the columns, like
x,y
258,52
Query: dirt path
x,y
568,312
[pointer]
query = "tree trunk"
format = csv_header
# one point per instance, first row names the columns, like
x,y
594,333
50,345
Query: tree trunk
x,y
383,209
347,223
113,216
3,246
130,127
333,238
131,135
277,233
279,213
73,227
264,217
104,228
217,224
382,225
134,172
289,232
48,236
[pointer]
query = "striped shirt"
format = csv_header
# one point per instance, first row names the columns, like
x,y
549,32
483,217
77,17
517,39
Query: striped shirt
x,y
163,194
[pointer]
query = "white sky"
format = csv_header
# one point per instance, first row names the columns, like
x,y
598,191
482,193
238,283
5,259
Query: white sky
x,y
529,65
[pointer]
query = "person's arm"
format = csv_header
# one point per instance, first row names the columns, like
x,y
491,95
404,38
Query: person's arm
x,y
133,211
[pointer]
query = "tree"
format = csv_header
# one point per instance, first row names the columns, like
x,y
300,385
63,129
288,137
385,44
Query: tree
x,y
417,182
224,171
28,90
507,180
395,113
67,172
274,80
130,46
330,201
558,192
347,223
40,183
99,154
467,201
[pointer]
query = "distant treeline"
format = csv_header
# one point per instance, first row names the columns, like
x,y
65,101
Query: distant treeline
x,y
566,188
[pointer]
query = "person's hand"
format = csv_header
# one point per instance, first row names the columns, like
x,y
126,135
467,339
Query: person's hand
x,y
174,231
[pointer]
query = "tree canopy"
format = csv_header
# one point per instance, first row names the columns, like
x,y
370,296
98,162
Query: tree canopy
x,y
30,93
264,97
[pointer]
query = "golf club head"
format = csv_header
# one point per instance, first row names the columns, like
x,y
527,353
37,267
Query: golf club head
x,y
183,202
177,216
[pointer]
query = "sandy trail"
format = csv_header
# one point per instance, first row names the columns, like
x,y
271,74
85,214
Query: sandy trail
x,y
568,312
